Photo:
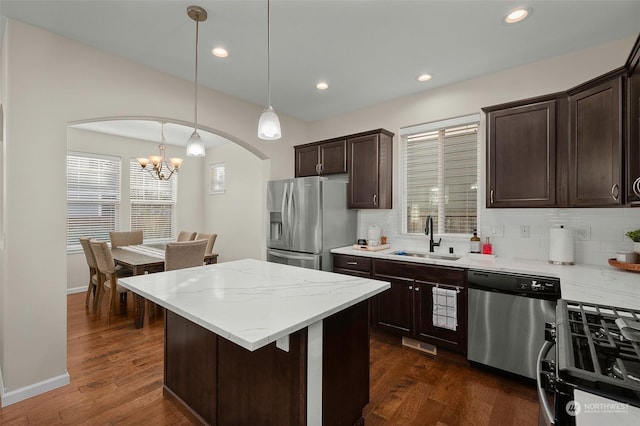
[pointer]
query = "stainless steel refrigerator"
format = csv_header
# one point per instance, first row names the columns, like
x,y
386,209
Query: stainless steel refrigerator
x,y
307,218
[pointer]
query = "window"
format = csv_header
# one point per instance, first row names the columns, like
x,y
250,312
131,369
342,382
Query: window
x,y
153,203
441,176
217,178
93,197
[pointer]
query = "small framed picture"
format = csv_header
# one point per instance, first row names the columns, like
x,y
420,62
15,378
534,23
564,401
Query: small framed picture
x,y
216,178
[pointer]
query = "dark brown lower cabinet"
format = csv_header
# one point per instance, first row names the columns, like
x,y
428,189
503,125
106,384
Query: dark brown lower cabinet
x,y
218,382
406,309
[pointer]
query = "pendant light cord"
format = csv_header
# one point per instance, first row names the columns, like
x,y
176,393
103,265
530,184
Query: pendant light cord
x,y
195,86
269,53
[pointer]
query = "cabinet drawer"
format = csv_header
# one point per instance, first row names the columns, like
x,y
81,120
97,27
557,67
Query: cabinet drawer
x,y
417,271
352,262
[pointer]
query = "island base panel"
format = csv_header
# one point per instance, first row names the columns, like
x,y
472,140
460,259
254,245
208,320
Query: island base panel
x,y
221,383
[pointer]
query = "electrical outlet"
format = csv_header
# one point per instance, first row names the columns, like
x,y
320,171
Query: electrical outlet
x,y
582,233
525,231
496,230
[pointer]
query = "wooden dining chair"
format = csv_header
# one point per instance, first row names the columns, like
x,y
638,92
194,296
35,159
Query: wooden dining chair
x,y
186,236
211,240
107,276
92,288
184,254
125,238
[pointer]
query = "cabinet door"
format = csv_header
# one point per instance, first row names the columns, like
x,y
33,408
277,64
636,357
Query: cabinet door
x,y
333,157
307,160
633,125
595,148
363,172
521,156
393,309
455,340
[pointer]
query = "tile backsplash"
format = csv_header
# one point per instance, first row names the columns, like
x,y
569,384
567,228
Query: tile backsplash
x,y
524,233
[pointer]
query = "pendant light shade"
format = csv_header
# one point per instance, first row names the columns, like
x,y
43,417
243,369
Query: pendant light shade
x,y
269,123
195,147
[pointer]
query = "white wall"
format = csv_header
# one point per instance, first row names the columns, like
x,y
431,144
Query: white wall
x,y
48,82
189,192
237,215
605,226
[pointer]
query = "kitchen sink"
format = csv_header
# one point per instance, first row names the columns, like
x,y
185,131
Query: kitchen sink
x,y
426,255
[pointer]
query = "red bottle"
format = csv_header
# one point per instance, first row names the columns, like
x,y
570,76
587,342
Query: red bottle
x,y
487,247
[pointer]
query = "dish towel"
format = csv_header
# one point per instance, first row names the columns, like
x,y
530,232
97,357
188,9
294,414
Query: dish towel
x,y
445,308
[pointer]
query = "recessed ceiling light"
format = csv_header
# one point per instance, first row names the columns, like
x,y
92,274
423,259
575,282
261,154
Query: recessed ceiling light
x,y
322,85
220,52
517,15
424,77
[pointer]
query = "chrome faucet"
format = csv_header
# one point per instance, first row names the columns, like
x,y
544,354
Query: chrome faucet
x,y
428,230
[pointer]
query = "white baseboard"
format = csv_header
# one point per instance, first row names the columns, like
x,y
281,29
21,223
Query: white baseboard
x,y
26,392
76,290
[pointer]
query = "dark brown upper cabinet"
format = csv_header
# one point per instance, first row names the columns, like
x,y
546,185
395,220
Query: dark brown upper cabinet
x,y
370,166
595,142
321,158
522,151
632,125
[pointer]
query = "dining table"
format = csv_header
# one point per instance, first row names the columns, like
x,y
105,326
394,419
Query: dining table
x,y
146,259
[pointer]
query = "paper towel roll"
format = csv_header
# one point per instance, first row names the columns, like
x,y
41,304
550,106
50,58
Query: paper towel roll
x,y
561,245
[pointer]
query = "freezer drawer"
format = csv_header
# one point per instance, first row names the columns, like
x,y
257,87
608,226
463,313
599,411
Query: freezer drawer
x,y
304,260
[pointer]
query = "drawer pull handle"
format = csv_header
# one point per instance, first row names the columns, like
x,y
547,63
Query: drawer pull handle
x,y
375,199
491,197
636,187
615,191
352,263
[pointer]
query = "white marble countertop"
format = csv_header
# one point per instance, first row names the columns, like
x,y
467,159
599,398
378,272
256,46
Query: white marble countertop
x,y
251,302
604,285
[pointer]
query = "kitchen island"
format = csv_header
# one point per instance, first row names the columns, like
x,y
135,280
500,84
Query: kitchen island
x,y
252,342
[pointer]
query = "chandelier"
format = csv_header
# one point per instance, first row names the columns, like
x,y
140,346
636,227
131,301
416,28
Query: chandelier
x,y
160,168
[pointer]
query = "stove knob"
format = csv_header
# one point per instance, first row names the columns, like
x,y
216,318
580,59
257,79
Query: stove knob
x,y
550,331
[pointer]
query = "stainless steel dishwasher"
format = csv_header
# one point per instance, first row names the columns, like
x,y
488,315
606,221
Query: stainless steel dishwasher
x,y
507,313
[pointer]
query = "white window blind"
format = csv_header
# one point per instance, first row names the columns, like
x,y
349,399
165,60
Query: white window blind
x,y
441,175
93,197
217,178
153,204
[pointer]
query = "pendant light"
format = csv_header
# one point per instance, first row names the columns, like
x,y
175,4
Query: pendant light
x,y
195,147
269,123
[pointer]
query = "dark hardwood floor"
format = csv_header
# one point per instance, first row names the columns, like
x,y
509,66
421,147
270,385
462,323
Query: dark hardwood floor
x,y
117,373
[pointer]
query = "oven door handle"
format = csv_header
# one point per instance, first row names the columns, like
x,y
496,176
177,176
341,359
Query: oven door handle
x,y
544,402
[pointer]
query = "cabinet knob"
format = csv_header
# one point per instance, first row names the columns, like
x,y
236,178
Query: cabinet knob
x,y
636,187
615,191
417,288
410,287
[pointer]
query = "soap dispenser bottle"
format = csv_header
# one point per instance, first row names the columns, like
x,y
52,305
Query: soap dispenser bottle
x,y
487,247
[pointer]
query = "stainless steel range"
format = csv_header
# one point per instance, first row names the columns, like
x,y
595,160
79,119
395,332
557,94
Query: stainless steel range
x,y
598,352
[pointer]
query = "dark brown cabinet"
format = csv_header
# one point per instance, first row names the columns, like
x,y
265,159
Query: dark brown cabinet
x,y
322,158
595,142
522,145
352,265
633,125
370,162
406,308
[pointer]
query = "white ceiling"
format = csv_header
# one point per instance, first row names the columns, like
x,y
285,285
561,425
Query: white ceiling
x,y
369,51
150,130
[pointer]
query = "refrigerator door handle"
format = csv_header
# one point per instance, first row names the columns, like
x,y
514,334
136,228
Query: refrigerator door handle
x,y
285,225
286,256
290,218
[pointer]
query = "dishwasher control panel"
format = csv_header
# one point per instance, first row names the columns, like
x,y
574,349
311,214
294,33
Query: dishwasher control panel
x,y
535,286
